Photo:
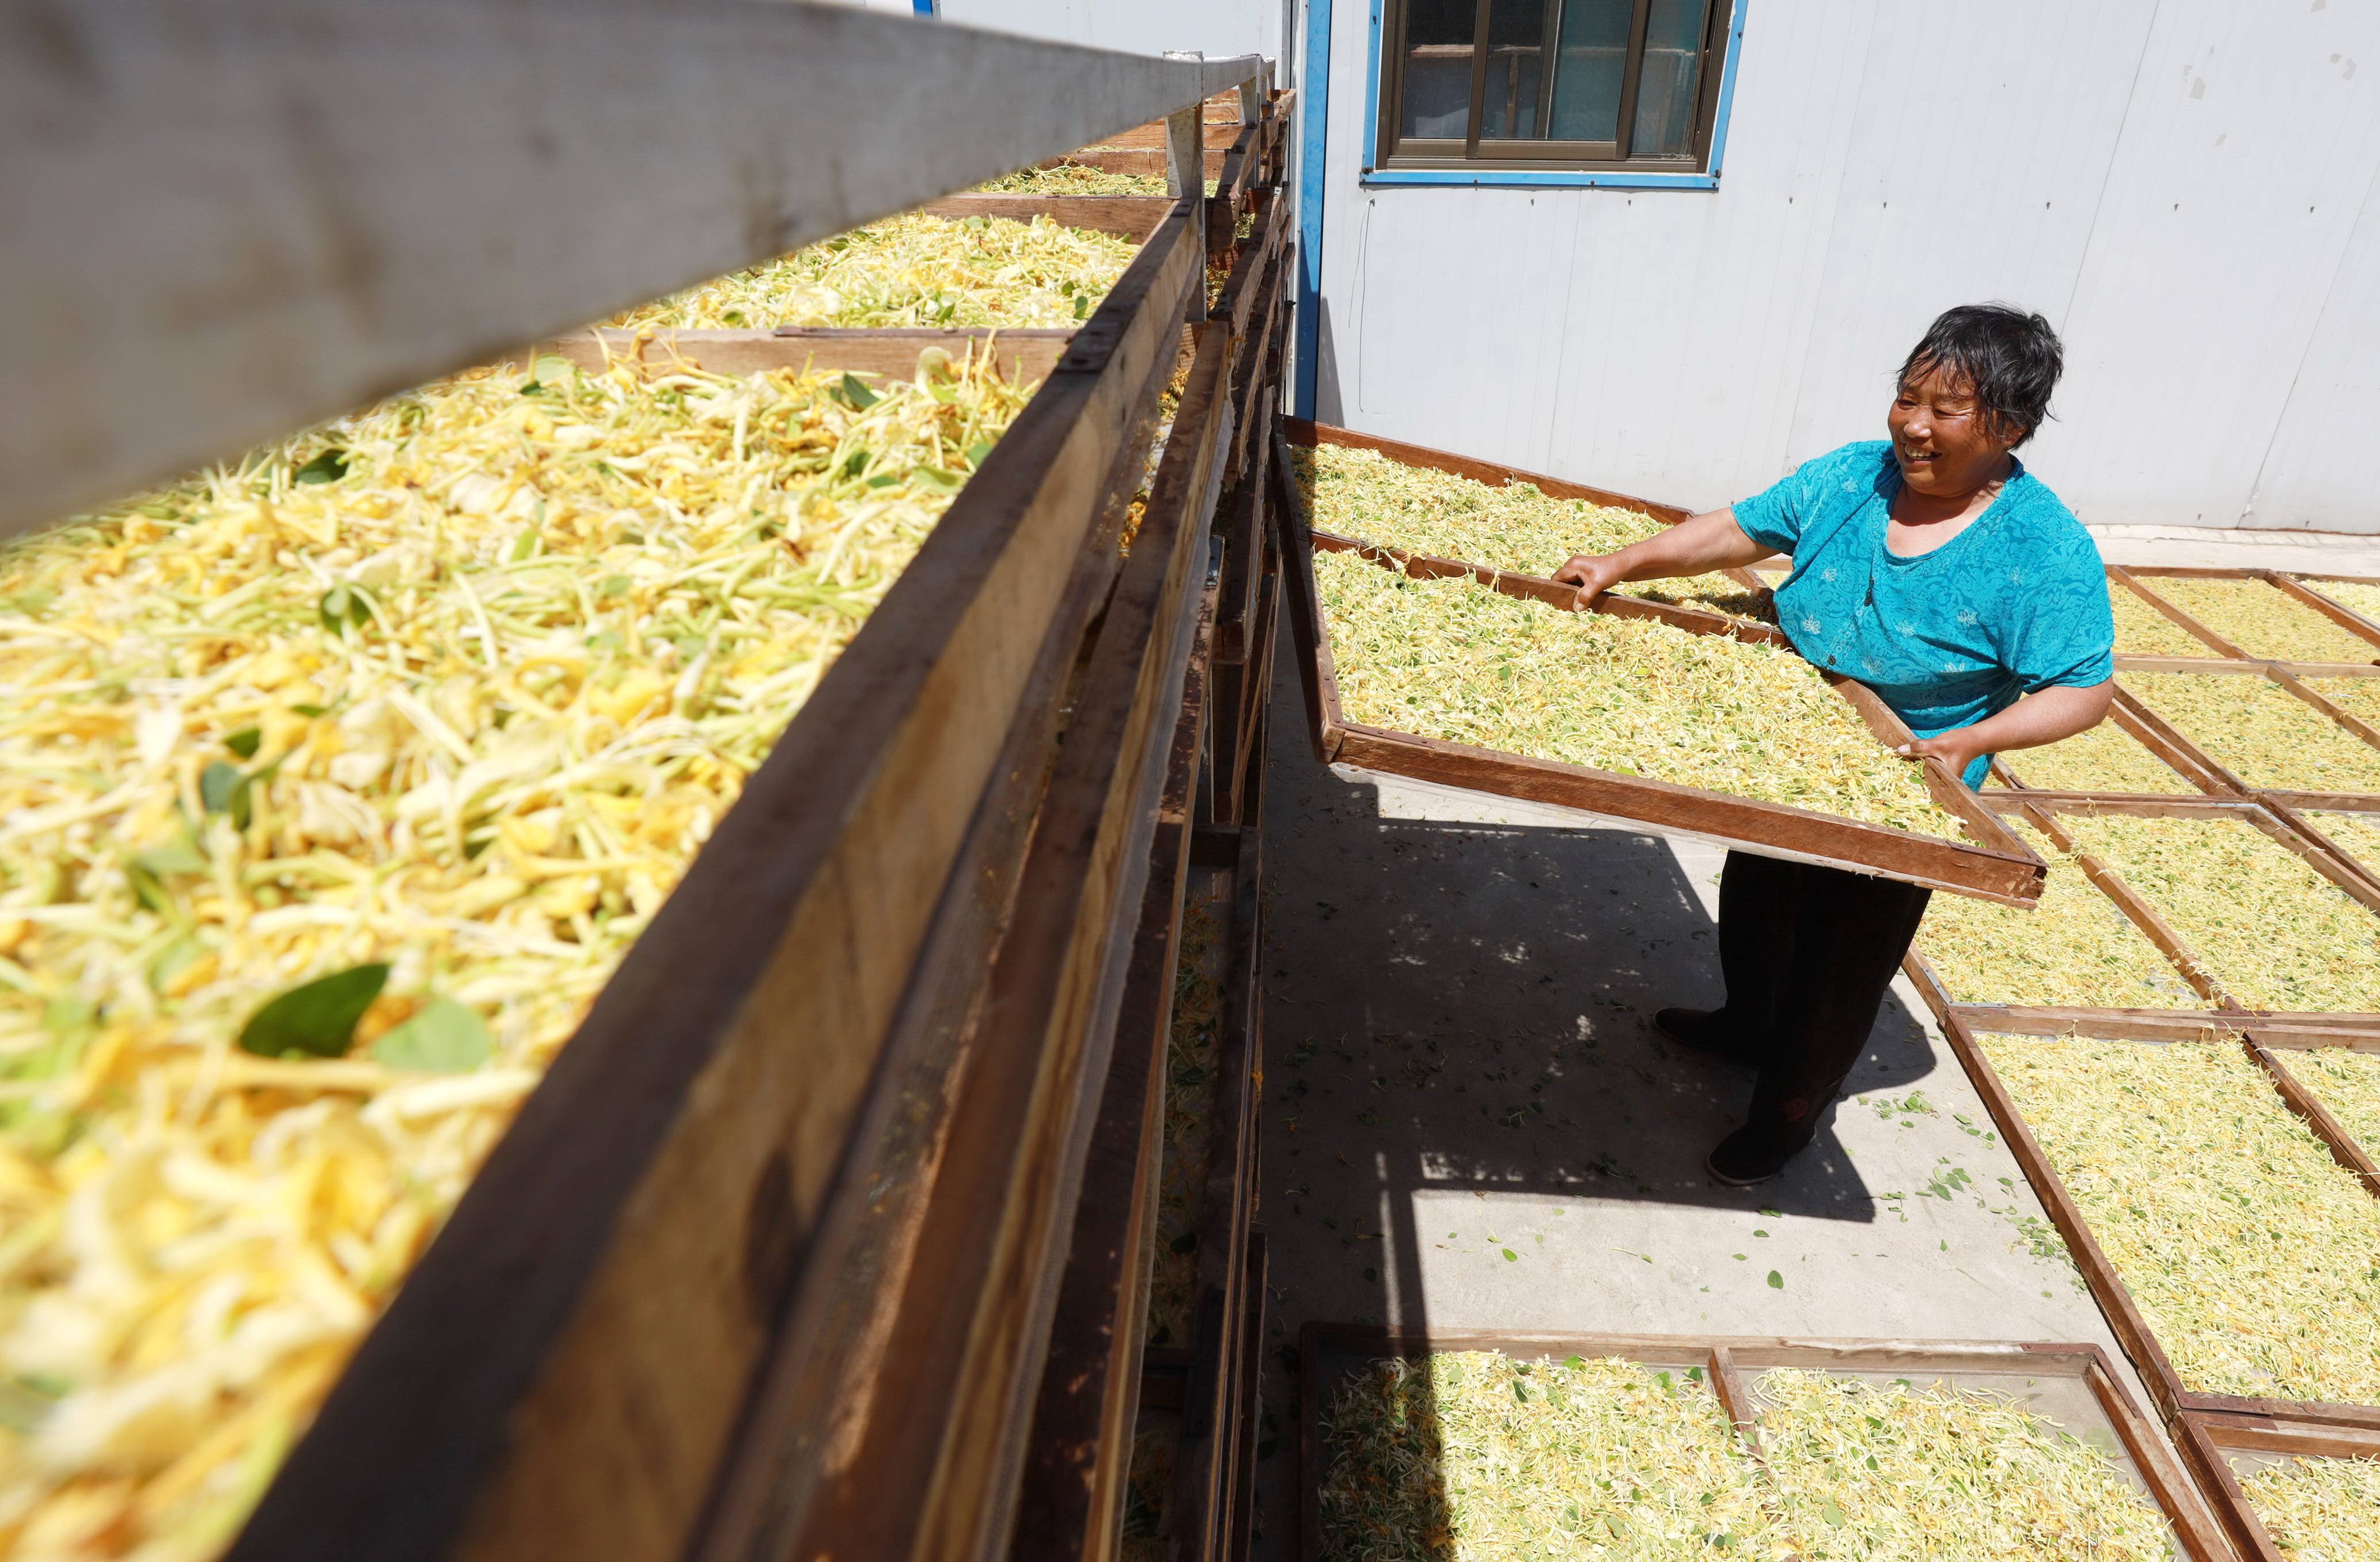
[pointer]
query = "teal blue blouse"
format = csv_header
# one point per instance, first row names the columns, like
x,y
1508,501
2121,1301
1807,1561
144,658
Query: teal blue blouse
x,y
2016,602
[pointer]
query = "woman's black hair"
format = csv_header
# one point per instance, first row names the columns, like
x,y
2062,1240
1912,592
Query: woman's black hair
x,y
2010,361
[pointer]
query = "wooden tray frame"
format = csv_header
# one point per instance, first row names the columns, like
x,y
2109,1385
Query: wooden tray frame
x,y
1325,1349
2206,1438
1026,354
674,1314
2260,1037
2000,869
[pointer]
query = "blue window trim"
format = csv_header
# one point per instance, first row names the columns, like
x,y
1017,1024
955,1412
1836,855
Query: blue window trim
x,y
923,8
1312,125
1546,179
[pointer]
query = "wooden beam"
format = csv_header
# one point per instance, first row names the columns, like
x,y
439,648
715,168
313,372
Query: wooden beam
x,y
1072,1502
257,213
689,1193
1024,357
2130,580
971,1323
1303,431
1127,216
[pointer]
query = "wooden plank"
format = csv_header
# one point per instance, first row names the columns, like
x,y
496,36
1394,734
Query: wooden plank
x,y
1303,431
1200,1511
2216,1477
1127,216
2278,1031
1246,689
2318,1119
1317,677
2347,618
258,214
2169,941
1241,1534
972,1322
1070,1504
2115,1304
1023,356
2323,703
1234,182
1216,134
1245,539
2171,745
561,1372
2131,579
1143,161
1763,828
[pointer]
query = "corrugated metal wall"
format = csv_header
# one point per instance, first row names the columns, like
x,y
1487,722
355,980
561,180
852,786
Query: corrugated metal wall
x,y
2186,187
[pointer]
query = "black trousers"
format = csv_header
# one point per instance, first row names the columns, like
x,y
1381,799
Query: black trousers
x,y
1807,953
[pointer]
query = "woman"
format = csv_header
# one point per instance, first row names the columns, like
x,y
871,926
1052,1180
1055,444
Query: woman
x,y
1934,568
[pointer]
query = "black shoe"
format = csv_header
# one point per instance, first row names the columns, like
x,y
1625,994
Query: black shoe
x,y
1708,1032
1755,1153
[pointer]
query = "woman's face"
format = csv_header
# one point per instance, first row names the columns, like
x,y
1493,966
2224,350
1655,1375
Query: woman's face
x,y
1945,442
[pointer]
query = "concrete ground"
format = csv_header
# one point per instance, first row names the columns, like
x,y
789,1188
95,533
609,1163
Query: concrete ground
x,y
1469,1123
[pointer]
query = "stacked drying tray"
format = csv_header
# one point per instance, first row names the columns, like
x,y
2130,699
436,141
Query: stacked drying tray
x,y
342,778
2179,1043
1145,1432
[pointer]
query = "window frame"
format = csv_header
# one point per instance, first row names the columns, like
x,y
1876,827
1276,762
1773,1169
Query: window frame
x,y
1539,163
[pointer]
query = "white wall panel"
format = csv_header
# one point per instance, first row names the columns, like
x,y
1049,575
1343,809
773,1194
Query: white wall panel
x,y
2319,470
2242,169
1962,185
2140,171
1147,27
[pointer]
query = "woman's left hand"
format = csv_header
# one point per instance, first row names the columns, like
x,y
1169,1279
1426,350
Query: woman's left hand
x,y
1954,748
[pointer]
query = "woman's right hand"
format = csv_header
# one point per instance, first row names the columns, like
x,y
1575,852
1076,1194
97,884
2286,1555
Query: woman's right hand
x,y
1593,574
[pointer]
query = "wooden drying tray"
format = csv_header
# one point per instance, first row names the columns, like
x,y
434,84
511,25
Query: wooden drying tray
x,y
2260,1037
2000,869
810,1160
1026,354
2141,578
2216,1445
2043,809
2075,1386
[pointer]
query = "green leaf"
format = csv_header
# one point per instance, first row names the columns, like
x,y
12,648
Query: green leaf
x,y
615,585
553,368
883,480
855,463
244,742
309,710
1574,1363
218,783
148,889
317,1017
857,396
977,451
1520,1391
442,1038
1510,1257
1832,1515
327,467
1776,1280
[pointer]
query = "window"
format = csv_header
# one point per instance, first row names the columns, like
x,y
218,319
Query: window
x,y
1538,84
